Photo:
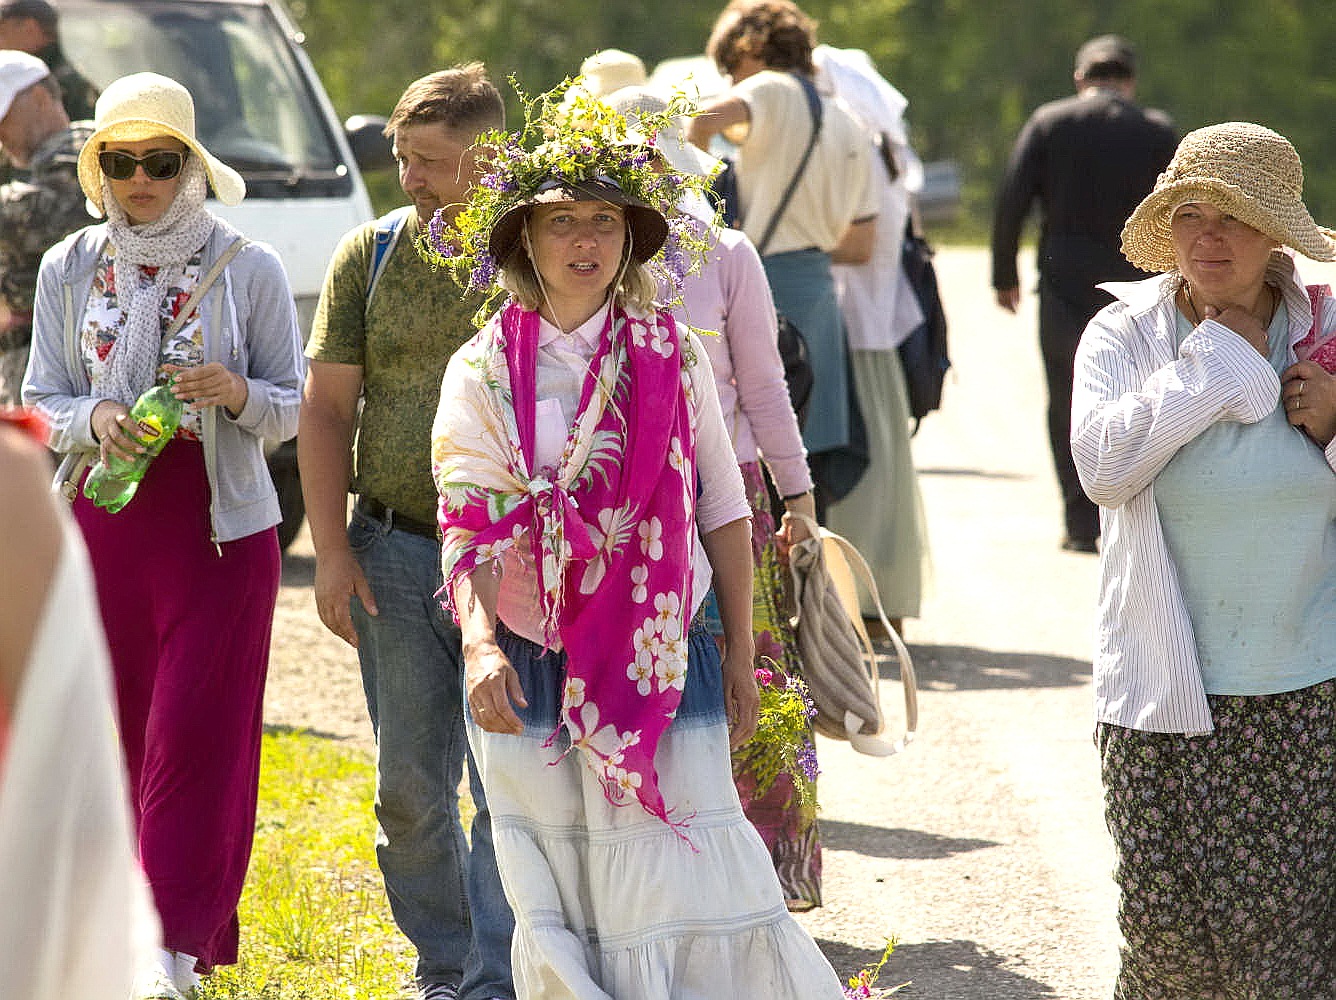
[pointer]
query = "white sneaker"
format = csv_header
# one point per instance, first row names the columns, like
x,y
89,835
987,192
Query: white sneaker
x,y
184,975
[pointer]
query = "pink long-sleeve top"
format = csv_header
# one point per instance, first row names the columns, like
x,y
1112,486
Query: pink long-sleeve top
x,y
562,363
730,297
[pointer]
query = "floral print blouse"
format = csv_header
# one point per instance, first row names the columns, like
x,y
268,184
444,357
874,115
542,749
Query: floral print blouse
x,y
104,320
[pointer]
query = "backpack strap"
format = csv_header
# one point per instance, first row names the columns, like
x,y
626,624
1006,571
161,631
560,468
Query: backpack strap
x,y
389,227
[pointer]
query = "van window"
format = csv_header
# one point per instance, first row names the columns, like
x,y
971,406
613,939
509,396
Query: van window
x,y
254,108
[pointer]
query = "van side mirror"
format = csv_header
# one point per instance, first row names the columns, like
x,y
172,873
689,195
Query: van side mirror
x,y
371,149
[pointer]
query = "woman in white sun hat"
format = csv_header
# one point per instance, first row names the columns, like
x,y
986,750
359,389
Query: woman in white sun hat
x,y
1208,444
187,573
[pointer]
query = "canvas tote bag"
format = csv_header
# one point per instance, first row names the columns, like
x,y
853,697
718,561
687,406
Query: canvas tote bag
x,y
839,662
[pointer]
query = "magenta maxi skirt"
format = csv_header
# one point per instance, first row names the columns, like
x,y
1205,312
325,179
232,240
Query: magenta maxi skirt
x,y
188,624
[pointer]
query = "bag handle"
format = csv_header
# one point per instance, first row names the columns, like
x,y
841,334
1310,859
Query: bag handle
x,y
872,745
814,106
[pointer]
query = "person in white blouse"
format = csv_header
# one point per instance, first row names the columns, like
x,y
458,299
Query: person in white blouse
x,y
1205,433
589,493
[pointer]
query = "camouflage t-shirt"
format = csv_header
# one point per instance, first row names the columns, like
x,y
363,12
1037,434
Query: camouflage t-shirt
x,y
38,208
417,319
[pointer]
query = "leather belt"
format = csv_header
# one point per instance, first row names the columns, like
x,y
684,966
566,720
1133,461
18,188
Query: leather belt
x,y
373,508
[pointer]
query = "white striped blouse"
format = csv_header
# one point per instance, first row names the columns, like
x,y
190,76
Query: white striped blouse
x,y
1135,402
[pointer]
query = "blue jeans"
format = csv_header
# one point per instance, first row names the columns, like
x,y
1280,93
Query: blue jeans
x,y
450,906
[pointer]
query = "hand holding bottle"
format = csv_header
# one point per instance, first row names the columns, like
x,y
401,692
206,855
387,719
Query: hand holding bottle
x,y
115,430
209,385
147,428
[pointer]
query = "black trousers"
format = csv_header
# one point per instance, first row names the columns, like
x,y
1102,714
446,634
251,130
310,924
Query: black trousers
x,y
1063,316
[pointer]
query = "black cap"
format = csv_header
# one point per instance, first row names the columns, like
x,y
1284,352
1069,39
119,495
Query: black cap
x,y
39,10
1107,55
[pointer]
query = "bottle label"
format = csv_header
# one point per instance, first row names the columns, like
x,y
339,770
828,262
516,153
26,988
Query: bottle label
x,y
150,428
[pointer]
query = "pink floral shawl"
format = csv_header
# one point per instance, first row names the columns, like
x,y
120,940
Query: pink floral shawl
x,y
610,529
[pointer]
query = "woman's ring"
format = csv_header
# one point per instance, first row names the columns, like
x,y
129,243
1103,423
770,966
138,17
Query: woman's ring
x,y
1302,383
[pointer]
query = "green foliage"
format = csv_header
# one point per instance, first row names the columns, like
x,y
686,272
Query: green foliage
x,y
315,924
782,743
972,70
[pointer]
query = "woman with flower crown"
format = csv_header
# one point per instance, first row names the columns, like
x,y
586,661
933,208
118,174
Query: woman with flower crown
x,y
588,493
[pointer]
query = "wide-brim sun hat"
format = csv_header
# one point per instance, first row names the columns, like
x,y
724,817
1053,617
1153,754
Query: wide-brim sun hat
x,y
1245,170
648,227
148,106
670,143
605,71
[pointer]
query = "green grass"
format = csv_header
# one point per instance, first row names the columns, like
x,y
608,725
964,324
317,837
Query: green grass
x,y
315,924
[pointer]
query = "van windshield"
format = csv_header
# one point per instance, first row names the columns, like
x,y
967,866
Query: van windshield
x,y
253,106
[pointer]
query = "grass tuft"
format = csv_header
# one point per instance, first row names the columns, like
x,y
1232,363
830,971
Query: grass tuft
x,y
315,923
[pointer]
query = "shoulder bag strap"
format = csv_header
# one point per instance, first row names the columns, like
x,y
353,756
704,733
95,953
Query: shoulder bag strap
x,y
813,105
205,283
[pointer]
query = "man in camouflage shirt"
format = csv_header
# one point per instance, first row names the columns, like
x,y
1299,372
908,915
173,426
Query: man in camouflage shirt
x,y
40,205
376,579
33,26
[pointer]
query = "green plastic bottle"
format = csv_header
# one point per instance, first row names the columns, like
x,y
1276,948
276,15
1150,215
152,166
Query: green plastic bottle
x,y
157,413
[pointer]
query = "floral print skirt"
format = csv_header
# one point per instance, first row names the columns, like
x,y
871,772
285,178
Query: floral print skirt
x,y
769,798
1227,851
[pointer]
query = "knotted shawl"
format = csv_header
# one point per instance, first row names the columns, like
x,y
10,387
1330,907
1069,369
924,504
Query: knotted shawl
x,y
610,530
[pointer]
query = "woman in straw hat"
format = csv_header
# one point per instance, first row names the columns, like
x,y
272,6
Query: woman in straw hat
x,y
1209,447
730,296
187,573
588,490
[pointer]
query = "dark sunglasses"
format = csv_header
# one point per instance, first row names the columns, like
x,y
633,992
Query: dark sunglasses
x,y
162,165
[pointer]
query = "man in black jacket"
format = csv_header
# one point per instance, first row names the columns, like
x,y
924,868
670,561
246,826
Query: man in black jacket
x,y
1088,160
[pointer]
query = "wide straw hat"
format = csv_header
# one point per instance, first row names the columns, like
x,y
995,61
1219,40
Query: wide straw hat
x,y
1245,170
149,106
648,227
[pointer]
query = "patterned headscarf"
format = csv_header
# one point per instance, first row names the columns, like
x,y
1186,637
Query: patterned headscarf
x,y
610,529
167,243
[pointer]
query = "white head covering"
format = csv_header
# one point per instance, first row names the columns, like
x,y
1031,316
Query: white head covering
x,y
18,72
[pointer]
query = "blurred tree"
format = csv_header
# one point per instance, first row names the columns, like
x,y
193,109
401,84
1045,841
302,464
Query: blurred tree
x,y
972,71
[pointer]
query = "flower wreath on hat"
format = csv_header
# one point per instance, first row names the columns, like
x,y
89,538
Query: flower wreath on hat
x,y
579,142
610,527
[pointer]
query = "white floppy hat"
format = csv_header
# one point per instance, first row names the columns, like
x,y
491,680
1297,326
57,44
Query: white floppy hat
x,y
18,72
147,106
670,143
1245,170
611,69
605,71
